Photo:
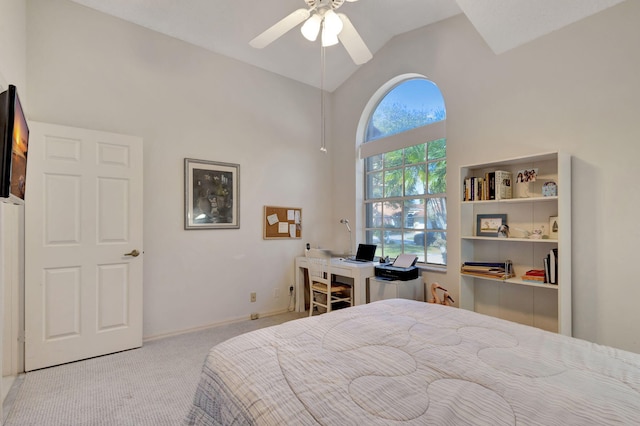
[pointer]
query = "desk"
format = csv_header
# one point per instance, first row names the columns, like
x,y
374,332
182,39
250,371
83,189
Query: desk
x,y
359,272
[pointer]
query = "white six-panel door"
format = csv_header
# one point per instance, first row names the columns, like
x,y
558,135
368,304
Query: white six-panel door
x,y
83,228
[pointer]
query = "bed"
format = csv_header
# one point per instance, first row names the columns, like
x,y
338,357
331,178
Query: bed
x,y
402,362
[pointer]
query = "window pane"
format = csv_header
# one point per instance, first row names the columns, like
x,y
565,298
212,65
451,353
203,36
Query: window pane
x,y
393,238
437,149
437,248
373,237
413,245
393,183
438,177
374,215
393,159
419,247
412,103
415,154
414,214
415,180
436,213
392,211
374,185
374,163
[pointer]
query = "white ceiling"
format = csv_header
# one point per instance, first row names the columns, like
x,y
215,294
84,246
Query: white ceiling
x,y
227,26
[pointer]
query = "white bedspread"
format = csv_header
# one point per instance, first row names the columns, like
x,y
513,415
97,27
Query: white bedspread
x,y
411,363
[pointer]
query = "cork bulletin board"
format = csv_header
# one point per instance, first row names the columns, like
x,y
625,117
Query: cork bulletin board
x,y
284,223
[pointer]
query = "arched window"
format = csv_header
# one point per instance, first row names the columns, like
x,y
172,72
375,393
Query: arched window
x,y
404,152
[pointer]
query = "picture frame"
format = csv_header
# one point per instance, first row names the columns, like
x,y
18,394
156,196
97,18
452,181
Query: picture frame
x,y
487,225
211,195
527,175
553,227
524,182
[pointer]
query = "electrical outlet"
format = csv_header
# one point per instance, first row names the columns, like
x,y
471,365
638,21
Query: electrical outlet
x,y
253,297
276,293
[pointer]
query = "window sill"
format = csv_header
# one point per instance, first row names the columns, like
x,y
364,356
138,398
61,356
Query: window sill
x,y
432,268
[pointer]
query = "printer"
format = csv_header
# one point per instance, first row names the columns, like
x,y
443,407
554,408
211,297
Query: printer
x,y
402,269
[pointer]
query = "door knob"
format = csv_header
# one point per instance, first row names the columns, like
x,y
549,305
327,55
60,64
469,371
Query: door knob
x,y
134,253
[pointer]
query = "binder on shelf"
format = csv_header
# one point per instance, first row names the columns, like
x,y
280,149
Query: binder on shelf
x,y
492,264
546,269
553,266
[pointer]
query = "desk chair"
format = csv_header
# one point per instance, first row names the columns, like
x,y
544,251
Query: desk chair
x,y
322,290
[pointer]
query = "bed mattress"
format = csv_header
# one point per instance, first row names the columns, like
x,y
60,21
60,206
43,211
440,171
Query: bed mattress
x,y
402,362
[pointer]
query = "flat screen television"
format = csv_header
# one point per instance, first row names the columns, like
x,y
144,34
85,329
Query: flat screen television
x,y
14,145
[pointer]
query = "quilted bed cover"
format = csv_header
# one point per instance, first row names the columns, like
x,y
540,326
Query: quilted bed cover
x,y
402,362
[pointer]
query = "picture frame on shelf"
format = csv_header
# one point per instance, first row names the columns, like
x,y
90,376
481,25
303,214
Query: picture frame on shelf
x,y
487,225
553,227
211,195
524,182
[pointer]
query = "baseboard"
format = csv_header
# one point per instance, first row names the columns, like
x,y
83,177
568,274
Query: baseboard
x,y
212,325
10,387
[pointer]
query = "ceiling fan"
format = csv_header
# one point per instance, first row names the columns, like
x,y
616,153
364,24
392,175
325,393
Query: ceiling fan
x,y
320,18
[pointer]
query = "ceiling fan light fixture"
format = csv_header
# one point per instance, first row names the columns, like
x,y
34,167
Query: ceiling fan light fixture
x,y
329,38
311,28
332,22
320,16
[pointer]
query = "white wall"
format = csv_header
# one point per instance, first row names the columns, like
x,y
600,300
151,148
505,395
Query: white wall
x,y
87,69
13,37
575,90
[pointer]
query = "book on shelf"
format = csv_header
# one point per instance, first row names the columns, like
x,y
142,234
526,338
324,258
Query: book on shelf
x,y
474,188
466,189
503,184
535,275
491,187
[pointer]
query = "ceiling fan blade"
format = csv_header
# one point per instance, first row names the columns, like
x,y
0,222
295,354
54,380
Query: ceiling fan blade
x,y
280,28
352,41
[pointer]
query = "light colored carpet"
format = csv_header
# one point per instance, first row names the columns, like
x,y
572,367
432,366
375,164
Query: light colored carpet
x,y
153,385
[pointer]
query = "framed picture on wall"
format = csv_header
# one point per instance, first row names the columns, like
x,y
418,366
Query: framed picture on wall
x,y
211,195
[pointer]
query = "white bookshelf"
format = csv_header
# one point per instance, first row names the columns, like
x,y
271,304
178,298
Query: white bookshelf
x,y
542,305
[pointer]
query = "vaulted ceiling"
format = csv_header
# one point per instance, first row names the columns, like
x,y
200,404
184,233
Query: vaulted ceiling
x,y
226,27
